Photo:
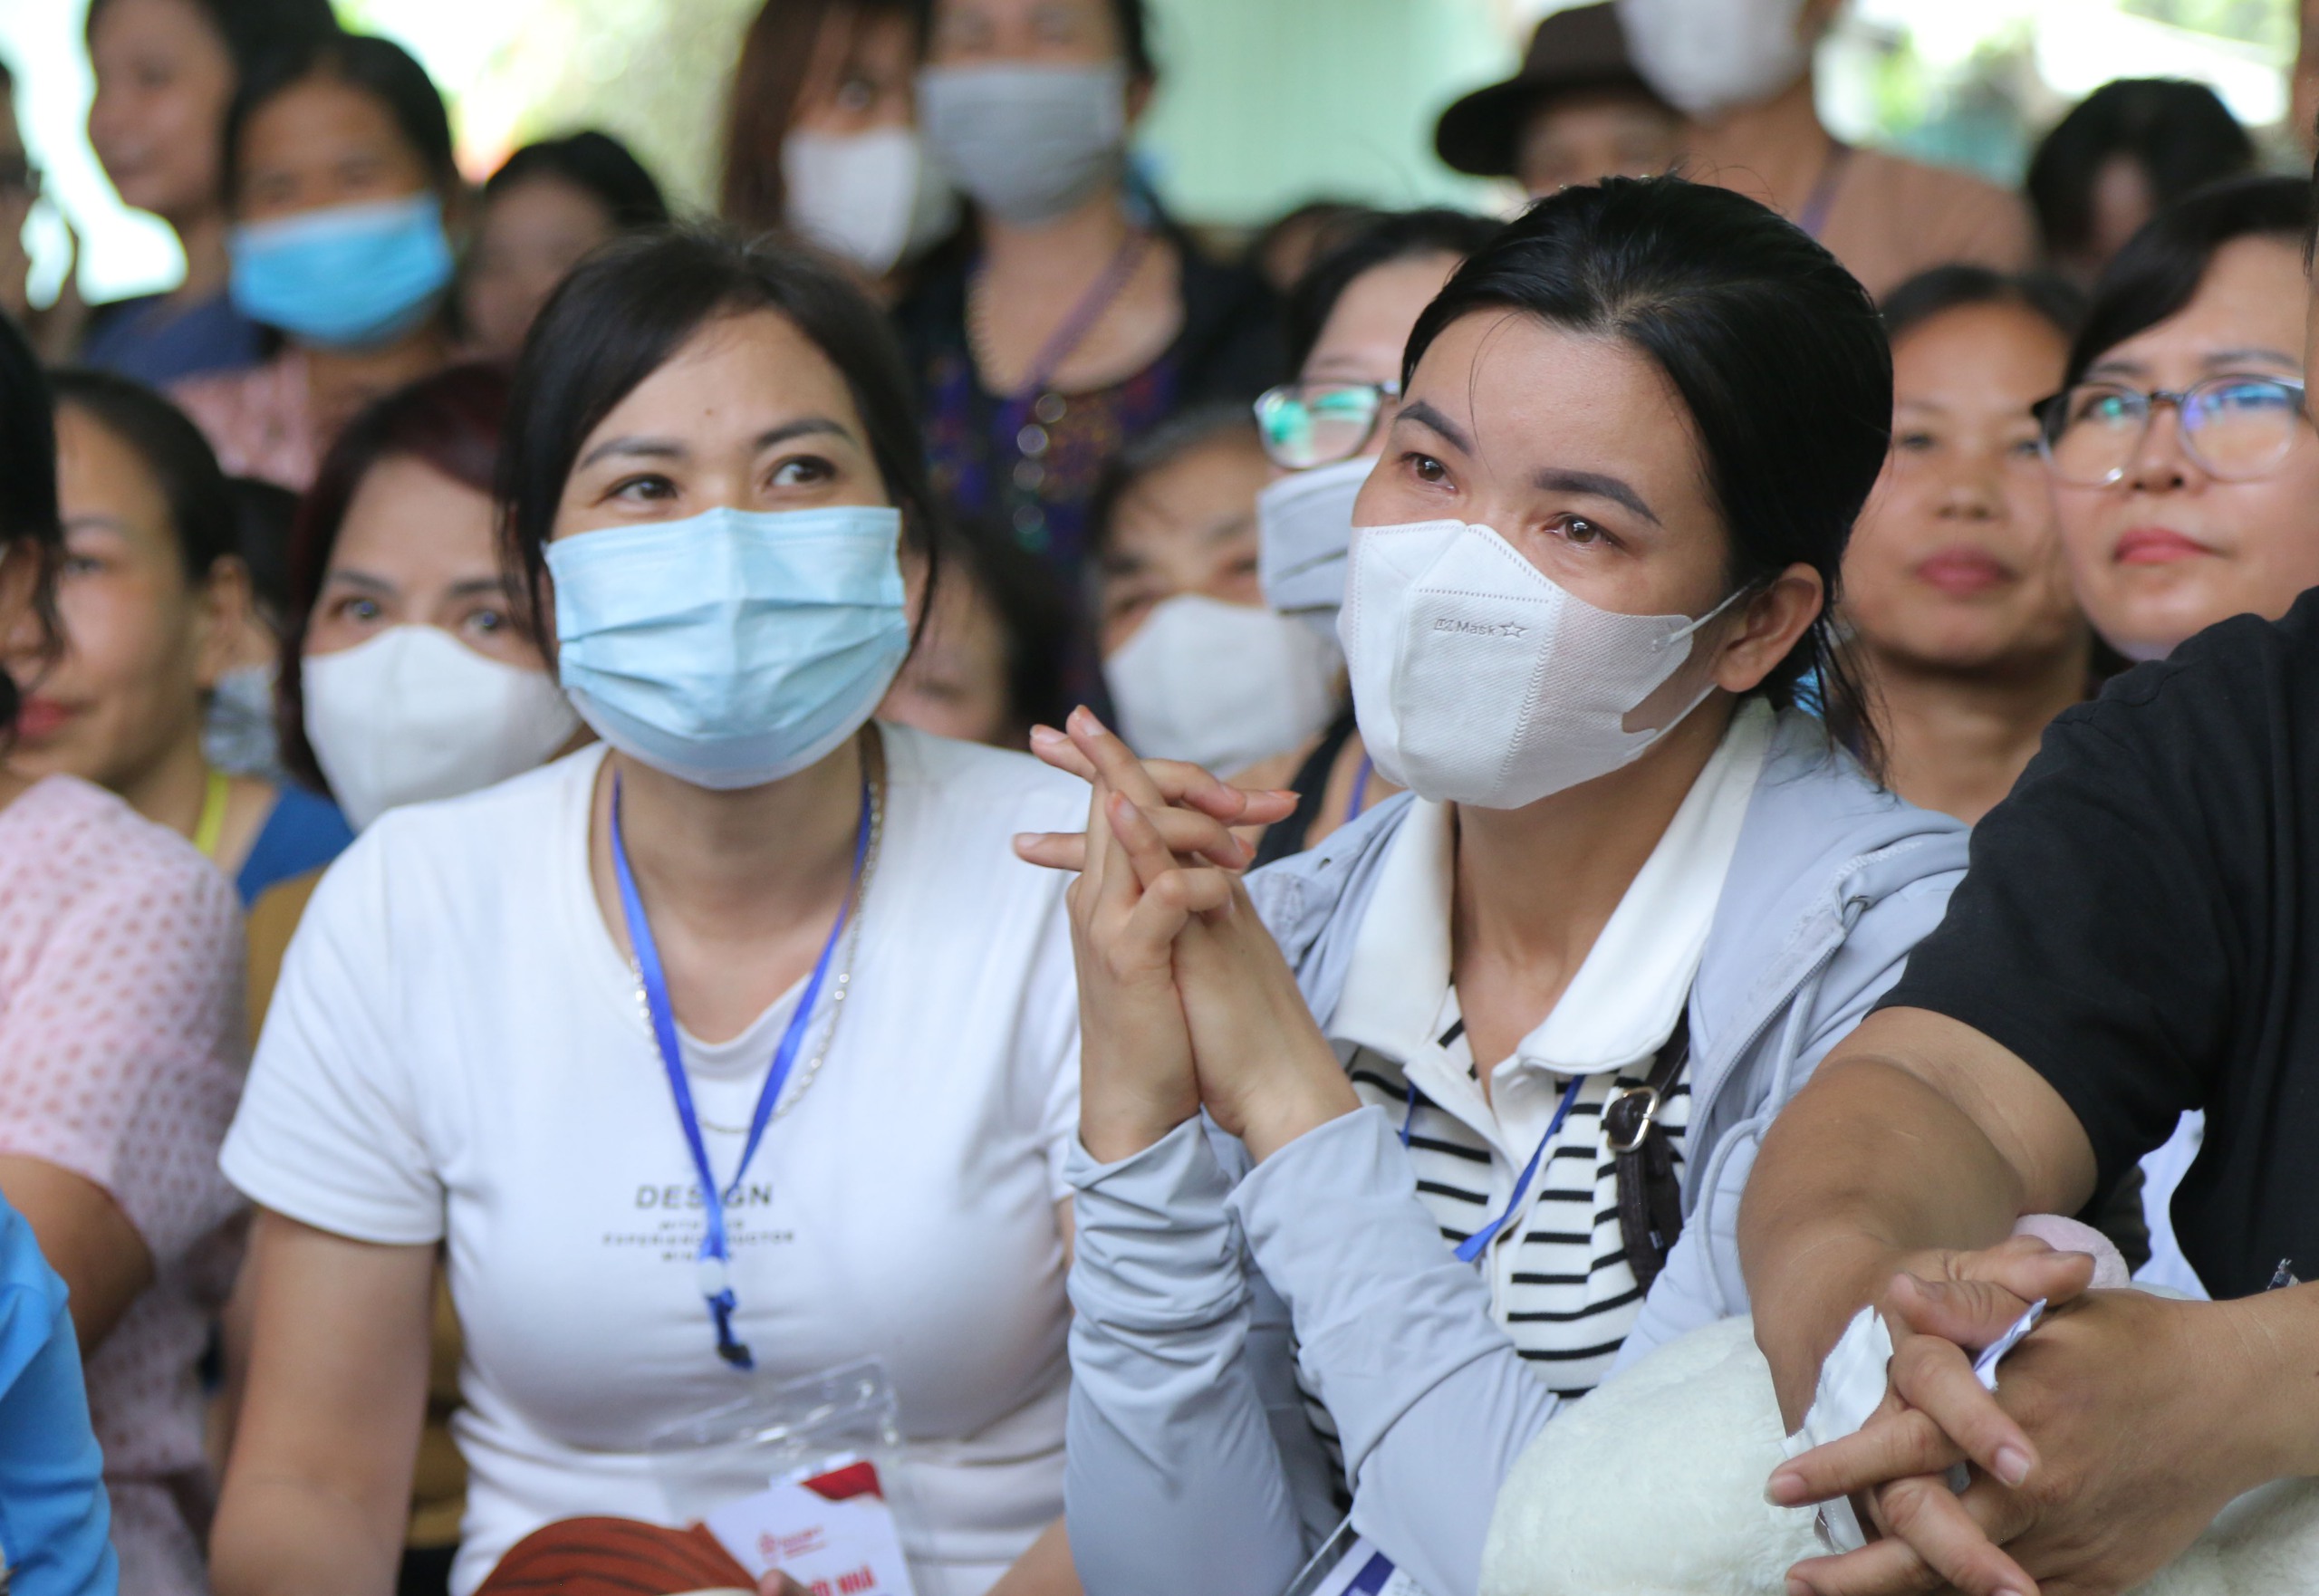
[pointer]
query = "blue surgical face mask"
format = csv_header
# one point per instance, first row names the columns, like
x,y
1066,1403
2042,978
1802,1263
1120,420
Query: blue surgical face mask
x,y
343,277
733,647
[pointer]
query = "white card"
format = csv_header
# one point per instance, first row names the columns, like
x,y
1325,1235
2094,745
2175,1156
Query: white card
x,y
833,1533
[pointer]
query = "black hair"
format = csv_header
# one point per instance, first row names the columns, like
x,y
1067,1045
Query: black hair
x,y
252,29
624,312
1387,237
1036,618
265,514
1958,286
598,165
1777,351
8,77
2159,271
202,514
1187,431
27,495
378,67
2179,134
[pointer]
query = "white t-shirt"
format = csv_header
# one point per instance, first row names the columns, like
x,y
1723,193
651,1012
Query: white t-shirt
x,y
456,1053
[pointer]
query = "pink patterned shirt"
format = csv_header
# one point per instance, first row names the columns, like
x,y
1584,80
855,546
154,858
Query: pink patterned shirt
x,y
121,1057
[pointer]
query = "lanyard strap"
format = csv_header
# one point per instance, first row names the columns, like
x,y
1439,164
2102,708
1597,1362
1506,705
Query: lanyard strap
x,y
210,828
1813,217
1359,788
1473,1245
714,1257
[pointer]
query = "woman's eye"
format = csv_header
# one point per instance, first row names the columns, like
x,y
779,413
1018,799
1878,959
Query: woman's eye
x,y
357,609
1426,468
2022,448
1577,529
1915,443
489,622
651,488
80,565
856,94
802,472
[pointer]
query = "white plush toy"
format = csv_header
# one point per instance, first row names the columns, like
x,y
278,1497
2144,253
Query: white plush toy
x,y
1654,1486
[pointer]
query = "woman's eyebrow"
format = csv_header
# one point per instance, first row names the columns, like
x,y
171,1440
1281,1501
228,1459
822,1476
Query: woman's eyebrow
x,y
2223,358
1562,479
640,448
803,426
1433,420
343,577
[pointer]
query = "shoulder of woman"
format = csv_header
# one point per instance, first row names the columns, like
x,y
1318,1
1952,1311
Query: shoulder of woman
x,y
90,843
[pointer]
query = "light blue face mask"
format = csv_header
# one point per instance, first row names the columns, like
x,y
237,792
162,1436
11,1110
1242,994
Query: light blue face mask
x,y
346,276
737,647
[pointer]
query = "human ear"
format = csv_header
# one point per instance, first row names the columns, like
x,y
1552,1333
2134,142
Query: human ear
x,y
223,611
1768,627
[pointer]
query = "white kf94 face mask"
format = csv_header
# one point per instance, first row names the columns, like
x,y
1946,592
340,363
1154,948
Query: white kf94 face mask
x,y
1707,57
1304,526
415,714
1220,685
1477,680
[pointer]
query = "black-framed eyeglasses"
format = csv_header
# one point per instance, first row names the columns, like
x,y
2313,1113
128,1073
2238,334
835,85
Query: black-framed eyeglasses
x,y
2235,428
1308,424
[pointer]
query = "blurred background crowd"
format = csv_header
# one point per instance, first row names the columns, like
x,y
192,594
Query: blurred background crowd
x,y
1152,269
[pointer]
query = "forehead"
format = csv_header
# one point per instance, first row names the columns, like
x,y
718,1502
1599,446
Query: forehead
x,y
1372,317
1077,15
735,374
548,199
1213,482
1525,392
409,522
2252,296
156,26
1999,348
317,119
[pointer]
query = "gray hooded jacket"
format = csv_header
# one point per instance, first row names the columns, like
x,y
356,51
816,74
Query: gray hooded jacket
x,y
1192,1464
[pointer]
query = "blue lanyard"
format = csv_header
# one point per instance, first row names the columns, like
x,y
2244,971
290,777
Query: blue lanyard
x,y
1473,1245
1359,788
713,1266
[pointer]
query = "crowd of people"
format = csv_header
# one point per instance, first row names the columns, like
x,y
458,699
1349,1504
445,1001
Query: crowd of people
x,y
1370,823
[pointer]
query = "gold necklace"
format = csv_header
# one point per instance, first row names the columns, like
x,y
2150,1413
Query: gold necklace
x,y
874,753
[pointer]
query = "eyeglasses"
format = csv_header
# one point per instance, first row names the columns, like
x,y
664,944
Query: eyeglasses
x,y
1308,424
2233,427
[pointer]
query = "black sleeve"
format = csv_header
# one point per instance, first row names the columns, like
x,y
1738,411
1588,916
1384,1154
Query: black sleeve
x,y
2107,930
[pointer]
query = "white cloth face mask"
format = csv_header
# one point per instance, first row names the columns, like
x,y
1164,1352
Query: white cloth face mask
x,y
1706,57
1477,680
1303,527
414,713
1220,685
872,197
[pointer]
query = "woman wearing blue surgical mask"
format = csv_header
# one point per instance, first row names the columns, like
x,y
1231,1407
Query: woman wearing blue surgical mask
x,y
1347,321
1488,1070
166,72
729,1049
1073,316
340,175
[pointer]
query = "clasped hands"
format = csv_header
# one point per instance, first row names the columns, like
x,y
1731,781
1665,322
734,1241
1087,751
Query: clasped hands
x,y
1185,999
2121,1427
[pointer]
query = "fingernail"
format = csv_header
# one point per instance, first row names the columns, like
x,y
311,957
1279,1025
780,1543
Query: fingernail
x,y
1046,733
1785,1490
2012,1465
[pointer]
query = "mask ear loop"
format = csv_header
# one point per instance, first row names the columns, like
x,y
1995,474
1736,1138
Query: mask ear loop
x,y
1683,634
